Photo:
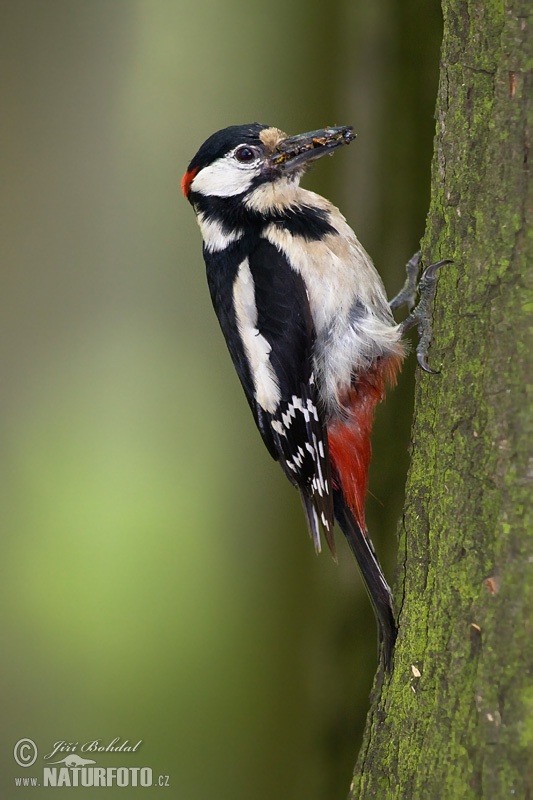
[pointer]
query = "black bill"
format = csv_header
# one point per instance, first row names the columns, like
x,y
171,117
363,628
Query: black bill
x,y
306,147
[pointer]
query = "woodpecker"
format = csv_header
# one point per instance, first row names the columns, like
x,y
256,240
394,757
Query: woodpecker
x,y
306,321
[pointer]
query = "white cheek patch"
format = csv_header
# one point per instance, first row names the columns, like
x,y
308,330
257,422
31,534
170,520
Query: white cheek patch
x,y
224,178
267,391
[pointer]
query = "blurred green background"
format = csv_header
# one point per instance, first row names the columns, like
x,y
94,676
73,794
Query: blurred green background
x,y
157,582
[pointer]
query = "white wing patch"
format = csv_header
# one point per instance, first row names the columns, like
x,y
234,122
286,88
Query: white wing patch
x,y
266,385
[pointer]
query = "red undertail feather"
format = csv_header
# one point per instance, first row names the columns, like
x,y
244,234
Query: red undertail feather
x,y
349,435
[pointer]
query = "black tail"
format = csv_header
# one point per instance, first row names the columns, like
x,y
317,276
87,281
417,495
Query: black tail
x,y
375,584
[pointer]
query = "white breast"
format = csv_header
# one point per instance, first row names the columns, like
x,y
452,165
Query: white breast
x,y
347,299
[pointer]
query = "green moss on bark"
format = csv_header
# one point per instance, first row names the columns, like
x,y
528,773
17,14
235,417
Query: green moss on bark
x,y
454,718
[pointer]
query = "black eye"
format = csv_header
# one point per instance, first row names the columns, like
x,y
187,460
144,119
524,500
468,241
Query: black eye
x,y
245,154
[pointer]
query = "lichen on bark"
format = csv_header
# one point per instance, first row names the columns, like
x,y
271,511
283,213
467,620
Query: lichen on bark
x,y
455,717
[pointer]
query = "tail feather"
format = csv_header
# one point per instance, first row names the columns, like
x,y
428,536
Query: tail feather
x,y
313,523
375,584
350,451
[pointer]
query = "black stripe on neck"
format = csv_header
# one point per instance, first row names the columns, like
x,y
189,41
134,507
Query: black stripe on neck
x,y
308,222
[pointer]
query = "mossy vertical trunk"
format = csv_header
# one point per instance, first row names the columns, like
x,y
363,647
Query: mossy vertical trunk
x,y
455,719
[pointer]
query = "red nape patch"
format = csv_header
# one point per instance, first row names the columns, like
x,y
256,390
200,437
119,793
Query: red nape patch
x,y
349,435
187,180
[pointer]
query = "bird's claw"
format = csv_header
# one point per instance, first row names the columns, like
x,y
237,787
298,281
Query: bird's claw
x,y
407,294
431,271
420,315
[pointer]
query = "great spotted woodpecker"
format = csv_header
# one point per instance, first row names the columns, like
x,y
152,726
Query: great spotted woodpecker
x,y
306,321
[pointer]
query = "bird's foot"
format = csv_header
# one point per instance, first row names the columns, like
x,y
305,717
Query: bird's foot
x,y
420,315
407,294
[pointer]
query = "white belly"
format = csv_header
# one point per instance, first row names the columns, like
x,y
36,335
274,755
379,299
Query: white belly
x,y
353,323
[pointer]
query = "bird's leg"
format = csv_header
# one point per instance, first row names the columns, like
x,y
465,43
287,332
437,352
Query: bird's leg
x,y
421,314
407,294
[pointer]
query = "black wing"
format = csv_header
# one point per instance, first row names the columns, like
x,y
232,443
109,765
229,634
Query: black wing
x,y
291,423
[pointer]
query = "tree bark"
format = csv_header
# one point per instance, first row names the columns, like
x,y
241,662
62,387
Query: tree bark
x,y
455,717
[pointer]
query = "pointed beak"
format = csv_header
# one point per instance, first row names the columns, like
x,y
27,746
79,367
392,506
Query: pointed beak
x,y
297,151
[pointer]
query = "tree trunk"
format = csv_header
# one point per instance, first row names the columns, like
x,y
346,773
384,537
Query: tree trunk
x,y
455,718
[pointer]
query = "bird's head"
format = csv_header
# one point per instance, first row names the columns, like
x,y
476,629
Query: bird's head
x,y
238,160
